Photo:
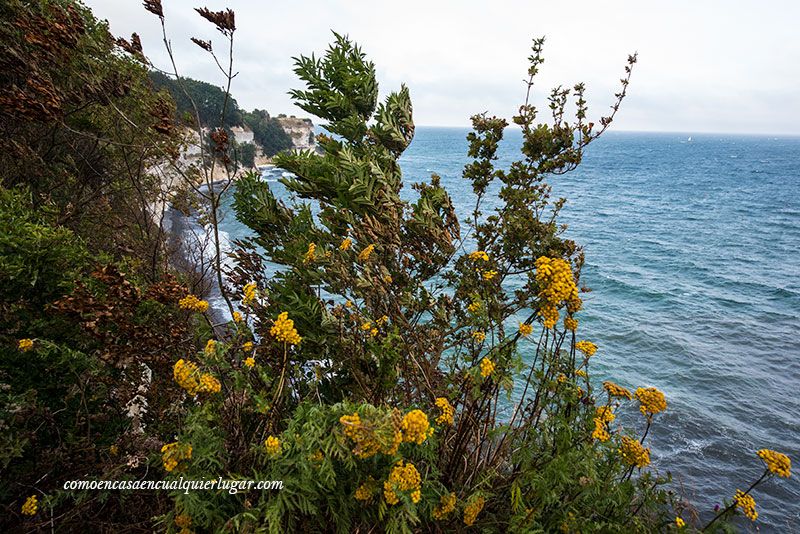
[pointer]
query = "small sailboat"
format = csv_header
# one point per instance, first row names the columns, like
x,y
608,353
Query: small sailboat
x,y
689,140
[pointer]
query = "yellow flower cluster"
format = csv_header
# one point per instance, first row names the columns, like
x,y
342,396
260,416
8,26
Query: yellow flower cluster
x,y
366,440
364,491
249,293
211,347
250,362
615,390
652,401
487,367
746,503
237,317
247,346
603,417
472,510
30,506
448,412
415,427
556,285
402,478
479,255
488,275
283,330
633,453
447,503
183,521
777,463
346,244
525,329
474,306
190,302
25,345
366,253
586,347
309,256
273,445
478,336
188,377
174,453
680,523
570,323
581,373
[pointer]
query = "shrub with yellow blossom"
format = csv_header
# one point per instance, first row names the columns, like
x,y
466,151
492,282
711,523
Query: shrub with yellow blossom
x,y
191,302
405,478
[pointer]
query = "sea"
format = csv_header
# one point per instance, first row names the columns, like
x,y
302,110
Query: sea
x,y
692,257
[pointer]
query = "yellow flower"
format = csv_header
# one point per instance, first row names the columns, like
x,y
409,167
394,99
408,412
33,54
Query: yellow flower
x,y
237,317
561,378
525,329
250,362
605,414
633,453
283,330
746,503
478,337
348,304
487,367
273,445
478,255
387,278
346,243
777,463
617,391
183,521
402,478
31,505
249,293
309,257
189,377
651,400
366,326
488,275
472,510
247,346
25,345
474,306
174,453
556,287
581,373
448,412
364,491
680,523
586,347
570,323
415,427
190,302
447,503
382,320
211,347
366,253
600,432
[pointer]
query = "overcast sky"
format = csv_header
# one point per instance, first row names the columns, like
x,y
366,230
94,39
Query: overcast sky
x,y
704,66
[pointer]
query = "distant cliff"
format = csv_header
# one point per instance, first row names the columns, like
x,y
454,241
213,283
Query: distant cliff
x,y
300,130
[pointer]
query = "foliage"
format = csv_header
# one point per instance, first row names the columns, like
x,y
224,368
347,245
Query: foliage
x,y
208,100
64,88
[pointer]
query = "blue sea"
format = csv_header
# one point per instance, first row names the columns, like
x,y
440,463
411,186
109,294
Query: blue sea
x,y
693,262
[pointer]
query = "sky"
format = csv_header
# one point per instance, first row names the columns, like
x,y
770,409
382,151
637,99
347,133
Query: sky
x,y
704,66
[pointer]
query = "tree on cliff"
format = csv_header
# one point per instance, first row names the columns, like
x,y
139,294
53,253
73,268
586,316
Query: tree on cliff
x,y
268,132
208,98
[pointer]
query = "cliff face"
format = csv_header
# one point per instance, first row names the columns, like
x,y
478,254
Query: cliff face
x,y
300,130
